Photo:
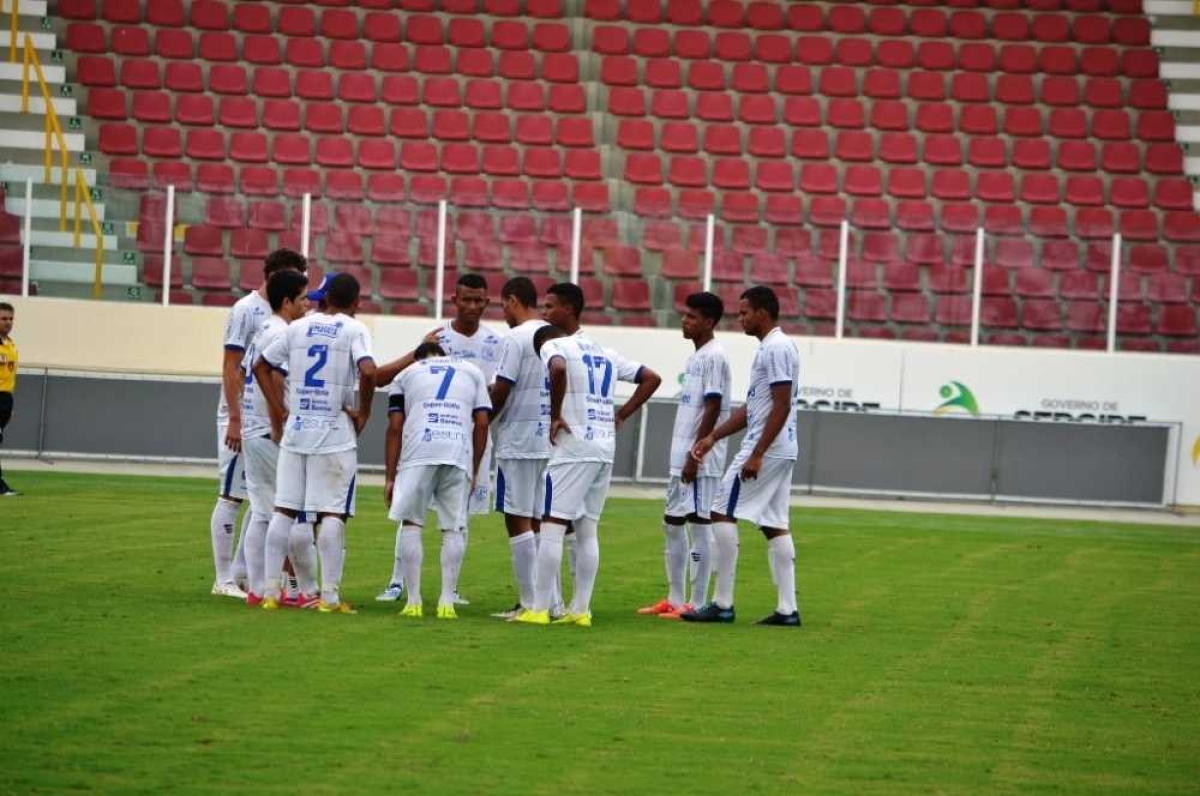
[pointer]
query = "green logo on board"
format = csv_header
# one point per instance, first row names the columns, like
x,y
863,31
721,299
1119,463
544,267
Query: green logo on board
x,y
957,397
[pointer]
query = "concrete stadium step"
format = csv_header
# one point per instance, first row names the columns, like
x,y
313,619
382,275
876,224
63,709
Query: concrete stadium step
x,y
1182,8
63,106
54,74
45,208
43,42
81,273
66,240
28,139
26,8
19,172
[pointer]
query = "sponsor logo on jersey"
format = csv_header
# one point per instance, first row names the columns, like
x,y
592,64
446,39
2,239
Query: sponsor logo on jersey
x,y
957,398
325,329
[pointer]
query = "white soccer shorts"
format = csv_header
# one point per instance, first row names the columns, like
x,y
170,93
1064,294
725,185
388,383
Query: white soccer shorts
x,y
423,487
763,500
683,500
231,468
520,487
323,483
261,456
576,489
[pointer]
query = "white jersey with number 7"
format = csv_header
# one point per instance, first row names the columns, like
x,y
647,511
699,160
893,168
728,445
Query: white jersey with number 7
x,y
439,397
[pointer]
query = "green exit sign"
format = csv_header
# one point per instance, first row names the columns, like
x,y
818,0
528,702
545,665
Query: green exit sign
x,y
134,292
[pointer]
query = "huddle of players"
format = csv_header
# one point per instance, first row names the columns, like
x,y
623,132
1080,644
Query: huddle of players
x,y
548,390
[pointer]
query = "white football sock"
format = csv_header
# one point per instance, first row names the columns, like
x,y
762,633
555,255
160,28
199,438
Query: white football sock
x,y
782,551
255,545
454,544
675,559
524,547
725,539
331,547
413,555
275,549
703,560
397,562
241,572
549,563
587,564
220,526
461,559
303,553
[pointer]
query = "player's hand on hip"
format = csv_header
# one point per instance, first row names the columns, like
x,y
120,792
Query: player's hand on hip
x,y
555,427
701,448
233,435
690,468
751,467
358,419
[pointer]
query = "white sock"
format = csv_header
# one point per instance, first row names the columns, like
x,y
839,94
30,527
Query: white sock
x,y
220,526
255,545
587,564
241,572
303,553
675,559
397,562
413,554
703,560
524,547
771,565
782,551
725,538
549,563
463,557
331,547
275,549
454,545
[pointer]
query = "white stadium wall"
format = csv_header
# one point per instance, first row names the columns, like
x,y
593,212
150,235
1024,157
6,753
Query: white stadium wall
x,y
881,377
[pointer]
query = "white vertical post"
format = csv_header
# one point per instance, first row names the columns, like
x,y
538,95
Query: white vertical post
x,y
305,223
168,240
28,237
977,292
843,256
1114,291
440,278
710,225
576,242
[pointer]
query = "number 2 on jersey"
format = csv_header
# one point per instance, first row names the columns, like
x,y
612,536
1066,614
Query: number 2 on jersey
x,y
445,385
598,364
321,354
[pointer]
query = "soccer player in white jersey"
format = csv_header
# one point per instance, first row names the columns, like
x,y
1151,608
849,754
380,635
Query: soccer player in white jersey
x,y
757,486
703,403
286,291
437,432
331,379
244,321
467,339
521,427
583,441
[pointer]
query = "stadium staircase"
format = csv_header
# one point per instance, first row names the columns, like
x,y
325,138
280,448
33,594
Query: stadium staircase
x,y
1047,122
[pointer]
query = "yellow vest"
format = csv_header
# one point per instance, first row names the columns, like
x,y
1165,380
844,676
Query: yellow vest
x,y
8,365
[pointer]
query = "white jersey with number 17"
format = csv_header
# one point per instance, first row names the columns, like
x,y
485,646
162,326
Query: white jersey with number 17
x,y
320,353
439,397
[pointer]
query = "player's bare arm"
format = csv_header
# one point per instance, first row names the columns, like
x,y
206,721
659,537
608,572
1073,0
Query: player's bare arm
x,y
386,373
557,369
391,452
499,392
648,383
708,422
271,383
735,423
233,381
479,440
366,392
781,406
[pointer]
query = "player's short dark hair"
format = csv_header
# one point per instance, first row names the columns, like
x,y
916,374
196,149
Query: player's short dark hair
x,y
570,294
4,305
342,291
544,333
521,288
427,350
283,285
709,305
761,297
472,281
284,258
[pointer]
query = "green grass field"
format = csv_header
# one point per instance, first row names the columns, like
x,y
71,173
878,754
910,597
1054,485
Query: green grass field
x,y
940,654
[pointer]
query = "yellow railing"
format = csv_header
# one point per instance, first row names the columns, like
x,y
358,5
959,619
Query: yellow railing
x,y
56,143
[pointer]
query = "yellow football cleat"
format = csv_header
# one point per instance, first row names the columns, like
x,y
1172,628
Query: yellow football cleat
x,y
446,612
270,604
583,620
413,611
533,618
335,608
